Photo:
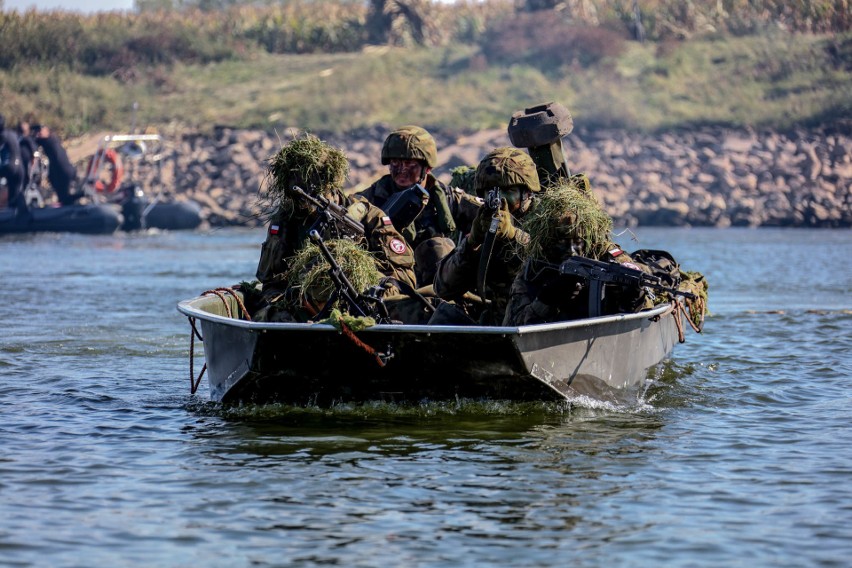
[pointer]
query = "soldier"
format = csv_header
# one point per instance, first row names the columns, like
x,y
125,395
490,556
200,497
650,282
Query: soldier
x,y
568,222
11,166
410,153
320,169
491,262
60,171
28,151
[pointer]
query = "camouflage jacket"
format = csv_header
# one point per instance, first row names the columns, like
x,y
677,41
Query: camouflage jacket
x,y
458,272
288,233
449,213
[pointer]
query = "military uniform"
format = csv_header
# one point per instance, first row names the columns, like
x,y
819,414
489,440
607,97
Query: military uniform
x,y
288,233
448,213
11,165
309,162
459,272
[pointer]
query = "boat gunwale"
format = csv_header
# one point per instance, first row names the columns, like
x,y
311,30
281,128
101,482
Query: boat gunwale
x,y
188,310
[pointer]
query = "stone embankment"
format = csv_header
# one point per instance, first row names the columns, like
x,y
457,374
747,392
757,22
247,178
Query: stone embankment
x,y
704,177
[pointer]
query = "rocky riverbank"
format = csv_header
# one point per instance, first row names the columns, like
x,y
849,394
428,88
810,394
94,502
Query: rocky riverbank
x,y
704,177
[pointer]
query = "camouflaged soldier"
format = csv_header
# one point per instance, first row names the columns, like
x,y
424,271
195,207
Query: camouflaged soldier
x,y
410,153
508,179
320,168
568,222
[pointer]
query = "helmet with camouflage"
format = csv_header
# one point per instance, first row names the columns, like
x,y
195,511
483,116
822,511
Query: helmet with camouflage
x,y
310,161
410,143
506,167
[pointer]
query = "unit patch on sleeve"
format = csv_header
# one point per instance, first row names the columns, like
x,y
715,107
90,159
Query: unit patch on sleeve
x,y
397,246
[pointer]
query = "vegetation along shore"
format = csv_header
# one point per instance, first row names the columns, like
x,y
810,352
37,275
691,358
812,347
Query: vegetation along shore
x,y
701,113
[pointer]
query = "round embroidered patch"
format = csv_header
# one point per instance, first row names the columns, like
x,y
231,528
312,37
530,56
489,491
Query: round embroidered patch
x,y
397,246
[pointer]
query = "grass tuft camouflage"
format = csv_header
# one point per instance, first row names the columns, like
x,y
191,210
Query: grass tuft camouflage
x,y
309,270
567,212
306,161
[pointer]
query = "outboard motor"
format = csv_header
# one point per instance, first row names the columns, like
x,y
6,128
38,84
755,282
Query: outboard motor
x,y
540,129
133,207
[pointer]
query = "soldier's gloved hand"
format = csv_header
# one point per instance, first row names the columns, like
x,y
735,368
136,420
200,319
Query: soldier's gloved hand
x,y
479,227
506,229
358,210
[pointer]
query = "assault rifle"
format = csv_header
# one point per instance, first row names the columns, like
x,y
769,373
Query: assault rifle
x,y
492,204
357,303
332,219
599,273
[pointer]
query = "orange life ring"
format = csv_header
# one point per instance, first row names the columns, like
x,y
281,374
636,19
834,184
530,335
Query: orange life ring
x,y
113,158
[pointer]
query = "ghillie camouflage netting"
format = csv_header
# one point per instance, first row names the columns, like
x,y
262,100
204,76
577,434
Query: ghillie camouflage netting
x,y
309,271
566,215
463,178
696,283
314,165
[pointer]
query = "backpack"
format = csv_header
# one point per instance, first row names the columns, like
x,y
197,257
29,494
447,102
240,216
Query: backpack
x,y
661,263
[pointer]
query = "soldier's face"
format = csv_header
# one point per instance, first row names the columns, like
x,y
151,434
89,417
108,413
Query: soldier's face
x,y
516,197
406,173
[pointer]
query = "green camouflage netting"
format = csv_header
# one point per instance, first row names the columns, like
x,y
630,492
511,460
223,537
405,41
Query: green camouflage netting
x,y
309,270
308,162
567,215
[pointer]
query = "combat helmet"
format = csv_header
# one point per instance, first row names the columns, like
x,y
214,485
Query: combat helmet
x,y
310,161
504,167
410,143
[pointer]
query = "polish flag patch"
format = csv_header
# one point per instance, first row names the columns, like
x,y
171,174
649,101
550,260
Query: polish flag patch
x,y
273,229
387,221
616,252
397,246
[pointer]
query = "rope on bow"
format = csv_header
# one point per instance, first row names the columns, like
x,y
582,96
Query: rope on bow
x,y
381,358
222,294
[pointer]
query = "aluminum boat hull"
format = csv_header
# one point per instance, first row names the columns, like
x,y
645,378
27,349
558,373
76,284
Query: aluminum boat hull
x,y
317,364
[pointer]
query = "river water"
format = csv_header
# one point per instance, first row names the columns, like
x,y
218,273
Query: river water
x,y
739,455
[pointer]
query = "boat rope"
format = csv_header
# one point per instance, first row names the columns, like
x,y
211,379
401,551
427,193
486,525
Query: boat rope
x,y
676,307
193,382
679,312
221,294
381,358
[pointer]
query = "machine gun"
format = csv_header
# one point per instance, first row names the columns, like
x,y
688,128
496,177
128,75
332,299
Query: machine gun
x,y
599,273
357,303
332,219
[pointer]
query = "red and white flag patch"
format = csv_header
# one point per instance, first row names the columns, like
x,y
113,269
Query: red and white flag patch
x,y
397,246
386,221
616,252
273,229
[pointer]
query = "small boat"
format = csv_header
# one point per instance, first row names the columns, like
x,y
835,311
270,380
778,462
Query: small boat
x,y
104,183
303,363
93,219
114,202
38,216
